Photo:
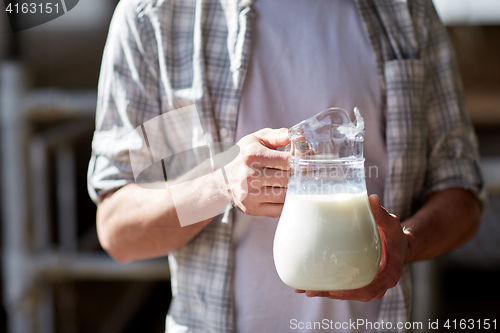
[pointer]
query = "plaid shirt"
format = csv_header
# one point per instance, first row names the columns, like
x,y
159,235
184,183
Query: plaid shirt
x,y
164,55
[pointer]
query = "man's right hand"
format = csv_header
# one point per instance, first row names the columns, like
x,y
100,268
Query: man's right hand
x,y
258,177
139,223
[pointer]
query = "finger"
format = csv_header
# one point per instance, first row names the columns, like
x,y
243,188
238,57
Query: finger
x,y
383,218
299,291
315,293
268,158
273,138
355,296
269,209
336,295
272,177
337,298
374,201
357,293
273,194
323,294
376,208
265,195
379,296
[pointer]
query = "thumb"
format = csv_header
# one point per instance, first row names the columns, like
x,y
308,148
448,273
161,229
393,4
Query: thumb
x,y
382,217
273,138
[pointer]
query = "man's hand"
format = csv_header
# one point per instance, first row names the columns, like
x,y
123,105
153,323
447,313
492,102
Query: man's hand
x,y
258,177
395,250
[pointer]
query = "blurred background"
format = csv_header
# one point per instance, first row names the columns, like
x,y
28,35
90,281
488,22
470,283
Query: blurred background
x,y
55,276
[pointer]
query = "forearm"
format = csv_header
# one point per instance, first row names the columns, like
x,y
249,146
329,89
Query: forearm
x,y
447,220
139,223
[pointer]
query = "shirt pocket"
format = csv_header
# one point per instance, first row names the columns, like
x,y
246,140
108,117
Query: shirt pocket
x,y
405,117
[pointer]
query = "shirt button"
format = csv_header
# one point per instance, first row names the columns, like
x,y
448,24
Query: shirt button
x,y
224,133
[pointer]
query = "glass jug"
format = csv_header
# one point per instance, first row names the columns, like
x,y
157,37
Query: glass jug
x,y
326,237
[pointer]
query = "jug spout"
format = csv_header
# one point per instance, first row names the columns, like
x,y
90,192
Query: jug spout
x,y
354,132
328,135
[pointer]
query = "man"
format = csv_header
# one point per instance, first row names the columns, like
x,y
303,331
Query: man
x,y
272,63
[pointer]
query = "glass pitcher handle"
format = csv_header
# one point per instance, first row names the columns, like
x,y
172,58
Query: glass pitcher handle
x,y
286,149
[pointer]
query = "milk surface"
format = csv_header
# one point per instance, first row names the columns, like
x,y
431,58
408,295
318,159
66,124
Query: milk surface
x,y
327,242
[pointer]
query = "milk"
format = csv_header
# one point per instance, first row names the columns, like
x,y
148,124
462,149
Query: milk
x,y
327,242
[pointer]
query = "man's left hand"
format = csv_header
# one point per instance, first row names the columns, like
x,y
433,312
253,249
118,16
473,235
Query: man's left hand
x,y
395,250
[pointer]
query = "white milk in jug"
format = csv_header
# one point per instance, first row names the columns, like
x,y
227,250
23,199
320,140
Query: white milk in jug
x,y
327,242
